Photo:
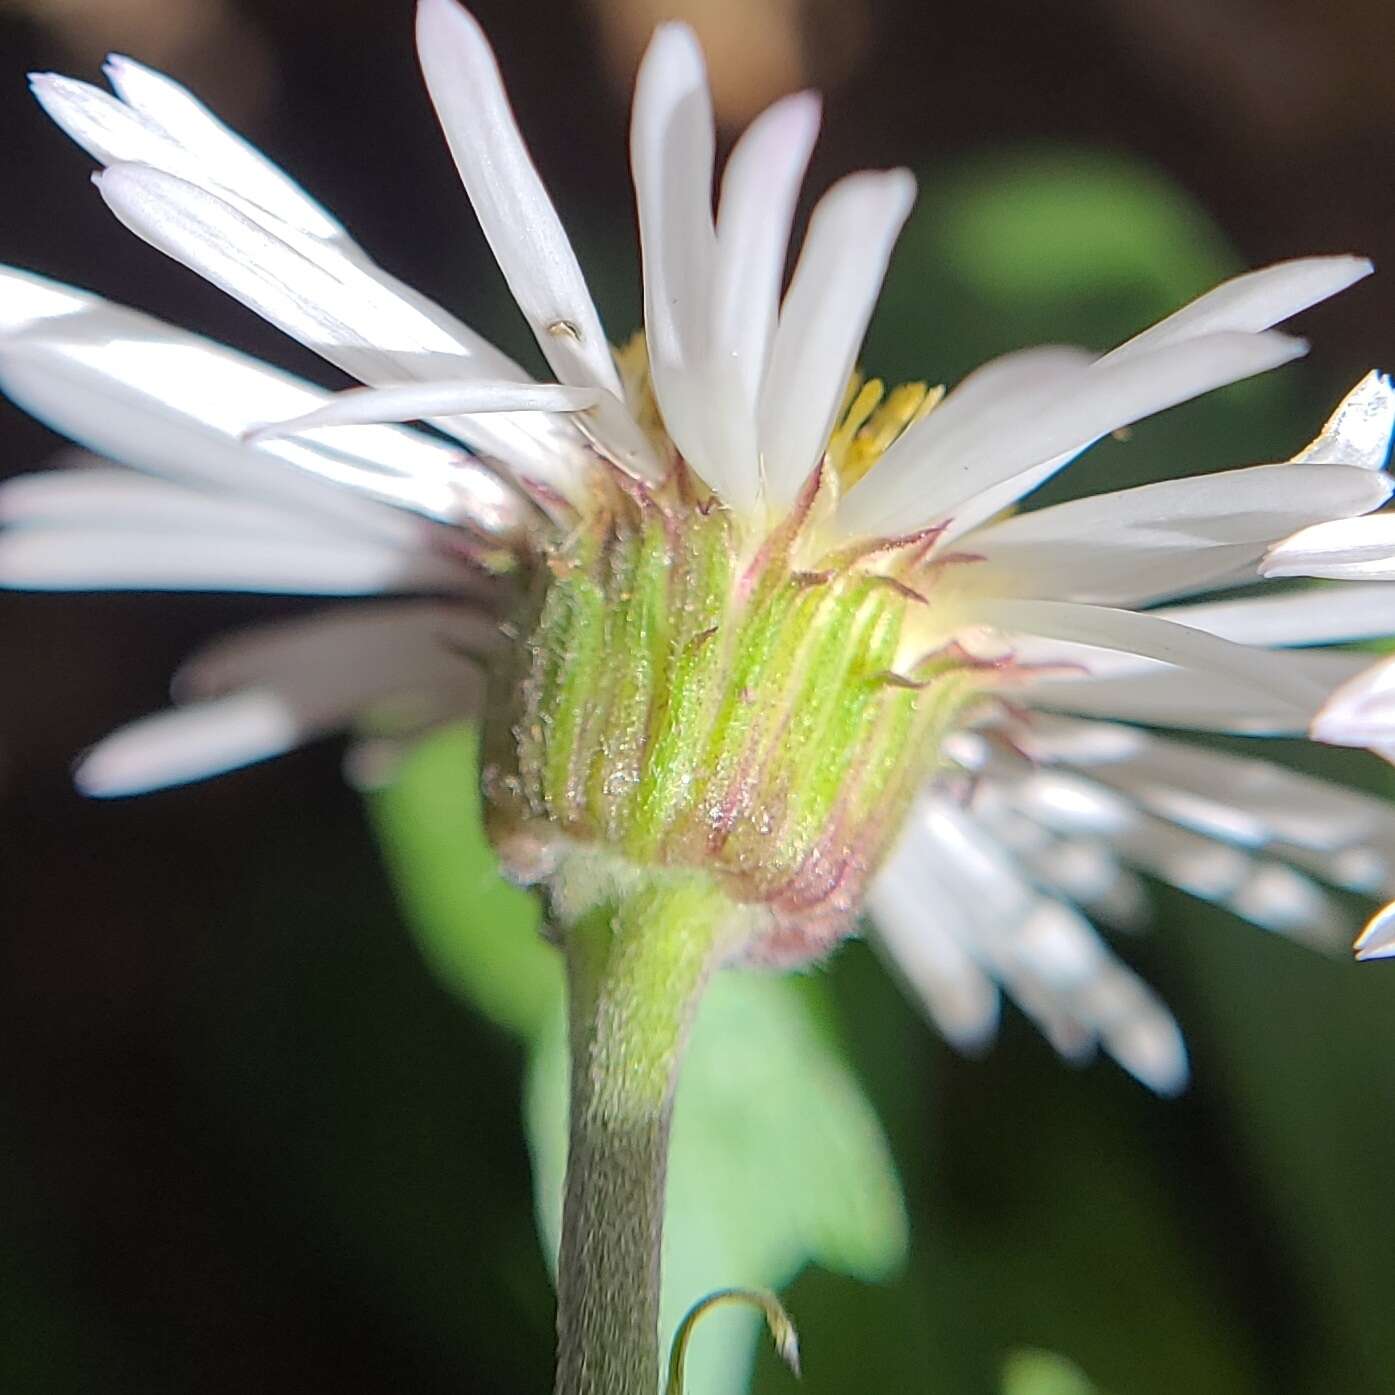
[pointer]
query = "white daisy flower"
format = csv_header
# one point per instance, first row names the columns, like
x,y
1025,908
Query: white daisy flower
x,y
760,617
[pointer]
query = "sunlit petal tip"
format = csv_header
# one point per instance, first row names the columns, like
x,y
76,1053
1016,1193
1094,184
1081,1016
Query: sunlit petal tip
x,y
1359,431
1377,940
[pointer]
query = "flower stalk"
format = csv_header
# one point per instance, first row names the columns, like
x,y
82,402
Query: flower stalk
x,y
638,958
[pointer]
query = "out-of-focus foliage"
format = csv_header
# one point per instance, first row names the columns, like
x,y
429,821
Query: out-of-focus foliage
x,y
1041,1373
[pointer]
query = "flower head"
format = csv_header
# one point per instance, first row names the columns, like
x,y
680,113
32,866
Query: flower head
x,y
742,611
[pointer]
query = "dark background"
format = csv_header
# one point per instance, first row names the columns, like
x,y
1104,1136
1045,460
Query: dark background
x,y
218,1041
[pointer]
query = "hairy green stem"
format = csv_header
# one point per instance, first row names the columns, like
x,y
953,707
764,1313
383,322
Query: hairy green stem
x,y
636,966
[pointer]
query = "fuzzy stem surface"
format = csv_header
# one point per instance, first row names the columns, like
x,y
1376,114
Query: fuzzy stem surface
x,y
636,967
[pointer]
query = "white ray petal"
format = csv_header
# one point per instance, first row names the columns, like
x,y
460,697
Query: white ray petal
x,y
759,188
131,388
99,559
235,162
925,477
823,320
1264,891
275,687
1252,302
1342,614
1239,797
422,401
1076,867
1048,957
1249,303
509,199
353,652
1150,637
1173,697
1359,431
1357,549
961,999
1171,537
199,149
315,295
1022,382
672,150
173,748
1362,711
340,307
160,123
118,500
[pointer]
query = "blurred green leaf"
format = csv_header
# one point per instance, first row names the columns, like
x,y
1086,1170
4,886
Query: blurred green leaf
x,y
479,935
1044,1373
778,1159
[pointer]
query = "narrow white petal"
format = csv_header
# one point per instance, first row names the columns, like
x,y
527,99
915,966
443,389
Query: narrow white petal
x,y
823,320
160,123
173,748
317,297
347,656
421,401
1257,802
263,691
99,559
1248,304
1048,957
1315,615
708,381
118,500
672,151
1252,302
230,159
759,188
1362,711
1185,699
929,475
338,306
1150,637
509,199
1358,432
108,129
1172,537
1377,940
960,998
1022,382
134,389
1359,549
1082,870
